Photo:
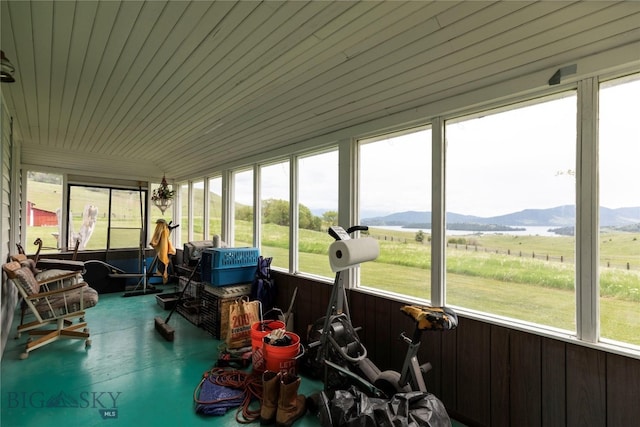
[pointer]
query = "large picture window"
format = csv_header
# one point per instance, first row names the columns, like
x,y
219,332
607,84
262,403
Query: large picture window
x,y
198,210
510,220
317,210
42,212
619,142
106,218
184,213
215,207
243,208
275,222
395,202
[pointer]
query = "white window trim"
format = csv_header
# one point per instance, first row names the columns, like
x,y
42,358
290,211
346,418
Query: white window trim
x,y
587,230
294,214
438,208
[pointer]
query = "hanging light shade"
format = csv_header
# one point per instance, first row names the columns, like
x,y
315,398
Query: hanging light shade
x,y
162,197
6,69
162,204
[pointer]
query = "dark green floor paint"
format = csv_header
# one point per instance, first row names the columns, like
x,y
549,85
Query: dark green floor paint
x,y
130,376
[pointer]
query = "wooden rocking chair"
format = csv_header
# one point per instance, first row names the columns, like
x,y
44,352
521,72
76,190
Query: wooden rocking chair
x,y
54,277
51,303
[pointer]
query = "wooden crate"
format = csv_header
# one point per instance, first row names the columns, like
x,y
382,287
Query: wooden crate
x,y
214,309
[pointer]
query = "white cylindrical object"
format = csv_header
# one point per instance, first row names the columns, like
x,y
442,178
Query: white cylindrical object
x,y
344,254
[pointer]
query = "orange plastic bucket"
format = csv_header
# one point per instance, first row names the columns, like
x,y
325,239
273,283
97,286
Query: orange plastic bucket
x,y
259,330
283,358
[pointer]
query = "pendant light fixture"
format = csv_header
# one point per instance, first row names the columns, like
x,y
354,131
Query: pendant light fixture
x,y
6,69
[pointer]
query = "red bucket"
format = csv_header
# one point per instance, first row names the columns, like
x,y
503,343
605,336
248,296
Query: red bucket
x,y
283,358
259,330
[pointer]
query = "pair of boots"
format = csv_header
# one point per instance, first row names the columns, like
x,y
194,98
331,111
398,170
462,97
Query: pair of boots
x,y
280,399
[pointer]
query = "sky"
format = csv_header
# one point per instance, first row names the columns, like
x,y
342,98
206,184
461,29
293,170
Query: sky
x,y
507,162
496,164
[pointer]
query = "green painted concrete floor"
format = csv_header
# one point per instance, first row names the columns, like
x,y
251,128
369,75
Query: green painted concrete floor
x,y
130,376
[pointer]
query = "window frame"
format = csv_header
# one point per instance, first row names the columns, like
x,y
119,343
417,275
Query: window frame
x,y
355,280
562,93
108,244
258,201
621,78
294,253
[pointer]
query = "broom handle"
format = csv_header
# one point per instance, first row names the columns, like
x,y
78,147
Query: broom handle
x,y
184,290
293,300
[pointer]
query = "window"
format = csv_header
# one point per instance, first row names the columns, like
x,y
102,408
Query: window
x,y
184,213
42,212
243,208
395,202
215,207
318,210
274,194
197,195
106,218
510,220
619,142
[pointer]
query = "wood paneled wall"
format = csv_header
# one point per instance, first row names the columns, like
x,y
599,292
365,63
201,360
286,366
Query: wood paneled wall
x,y
8,294
489,375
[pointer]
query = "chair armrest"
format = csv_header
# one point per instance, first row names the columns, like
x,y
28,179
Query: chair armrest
x,y
59,291
60,264
63,276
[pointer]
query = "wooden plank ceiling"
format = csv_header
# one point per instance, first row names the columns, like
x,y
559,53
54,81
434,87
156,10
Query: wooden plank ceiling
x,y
133,88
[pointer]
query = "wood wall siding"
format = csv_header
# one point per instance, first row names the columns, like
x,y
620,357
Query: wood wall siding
x,y
489,375
8,294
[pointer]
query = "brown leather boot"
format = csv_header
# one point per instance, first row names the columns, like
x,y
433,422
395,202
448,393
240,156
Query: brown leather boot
x,y
291,405
270,392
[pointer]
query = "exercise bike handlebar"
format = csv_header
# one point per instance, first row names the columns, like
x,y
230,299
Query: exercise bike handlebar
x,y
338,233
353,228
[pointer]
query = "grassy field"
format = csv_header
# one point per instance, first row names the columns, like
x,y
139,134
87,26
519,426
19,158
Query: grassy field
x,y
489,273
520,287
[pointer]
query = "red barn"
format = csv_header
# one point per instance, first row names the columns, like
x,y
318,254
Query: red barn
x,y
40,217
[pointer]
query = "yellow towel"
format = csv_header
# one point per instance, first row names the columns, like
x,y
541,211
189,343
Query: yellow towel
x,y
163,246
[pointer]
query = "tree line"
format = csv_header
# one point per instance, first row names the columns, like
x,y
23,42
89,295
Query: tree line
x,y
276,211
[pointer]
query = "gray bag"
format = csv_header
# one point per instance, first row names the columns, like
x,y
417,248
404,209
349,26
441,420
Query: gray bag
x,y
352,408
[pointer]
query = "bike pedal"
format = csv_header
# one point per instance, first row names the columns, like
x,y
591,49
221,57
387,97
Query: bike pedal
x,y
425,367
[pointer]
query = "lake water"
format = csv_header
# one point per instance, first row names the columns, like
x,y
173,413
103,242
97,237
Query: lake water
x,y
528,231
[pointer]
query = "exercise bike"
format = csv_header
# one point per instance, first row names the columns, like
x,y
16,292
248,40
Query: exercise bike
x,y
334,343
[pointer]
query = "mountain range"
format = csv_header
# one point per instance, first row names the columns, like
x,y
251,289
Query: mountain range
x,y
560,216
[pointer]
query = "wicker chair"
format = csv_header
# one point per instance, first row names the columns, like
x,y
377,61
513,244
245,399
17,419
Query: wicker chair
x,y
56,301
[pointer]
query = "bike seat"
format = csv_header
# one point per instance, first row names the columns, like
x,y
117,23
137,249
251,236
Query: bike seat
x,y
432,318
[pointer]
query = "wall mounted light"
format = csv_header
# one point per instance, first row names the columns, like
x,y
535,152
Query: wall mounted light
x,y
6,69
